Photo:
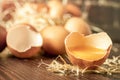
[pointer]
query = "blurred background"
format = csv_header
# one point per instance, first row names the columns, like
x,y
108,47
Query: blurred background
x,y
104,14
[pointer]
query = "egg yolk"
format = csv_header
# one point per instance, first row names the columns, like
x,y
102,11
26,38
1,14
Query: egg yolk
x,y
88,53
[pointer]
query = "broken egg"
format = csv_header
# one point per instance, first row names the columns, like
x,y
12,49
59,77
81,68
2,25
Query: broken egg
x,y
53,39
88,51
76,24
23,41
3,34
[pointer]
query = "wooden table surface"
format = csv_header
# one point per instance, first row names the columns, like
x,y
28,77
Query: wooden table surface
x,y
12,68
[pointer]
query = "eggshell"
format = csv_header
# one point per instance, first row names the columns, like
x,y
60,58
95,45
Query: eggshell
x,y
56,9
76,24
23,41
53,40
7,7
98,41
73,10
43,7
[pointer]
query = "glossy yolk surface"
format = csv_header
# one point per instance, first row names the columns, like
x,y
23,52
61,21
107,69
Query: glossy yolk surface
x,y
88,53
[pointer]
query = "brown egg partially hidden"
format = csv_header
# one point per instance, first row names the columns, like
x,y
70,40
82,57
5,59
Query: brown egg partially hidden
x,y
76,24
23,41
88,51
7,7
42,7
56,9
73,10
53,39
3,34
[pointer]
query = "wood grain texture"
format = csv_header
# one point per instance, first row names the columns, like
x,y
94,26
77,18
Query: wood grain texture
x,y
12,68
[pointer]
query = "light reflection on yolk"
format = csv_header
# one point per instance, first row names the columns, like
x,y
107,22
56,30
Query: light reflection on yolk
x,y
88,53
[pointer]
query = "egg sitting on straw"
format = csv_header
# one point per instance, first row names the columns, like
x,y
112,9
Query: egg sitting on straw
x,y
88,51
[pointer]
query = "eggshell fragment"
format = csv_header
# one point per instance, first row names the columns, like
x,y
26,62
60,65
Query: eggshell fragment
x,y
76,24
94,48
53,40
23,41
3,34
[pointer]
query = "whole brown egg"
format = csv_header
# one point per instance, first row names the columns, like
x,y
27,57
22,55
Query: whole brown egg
x,y
76,24
53,39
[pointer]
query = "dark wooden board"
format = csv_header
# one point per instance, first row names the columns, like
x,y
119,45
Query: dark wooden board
x,y
12,68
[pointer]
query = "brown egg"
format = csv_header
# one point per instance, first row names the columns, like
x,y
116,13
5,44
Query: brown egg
x,y
3,34
53,39
7,7
43,7
88,51
73,10
24,41
56,9
76,24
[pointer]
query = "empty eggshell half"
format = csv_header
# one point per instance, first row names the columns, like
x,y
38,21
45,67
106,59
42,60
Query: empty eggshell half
x,y
23,41
88,51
